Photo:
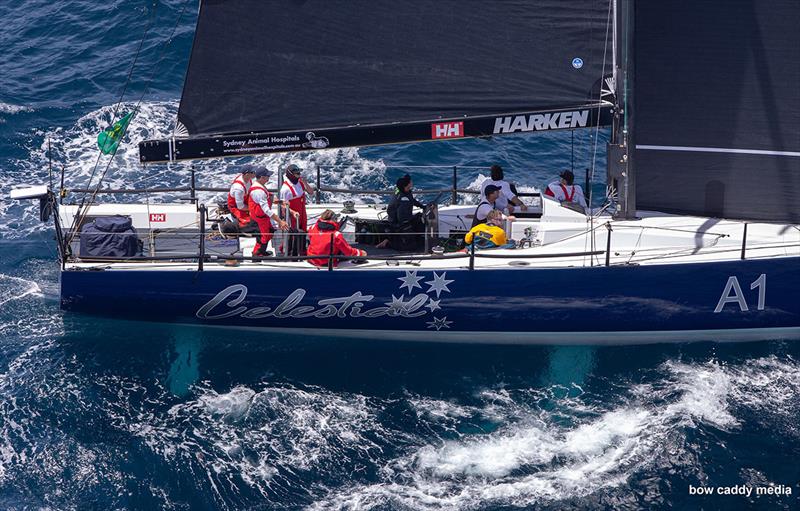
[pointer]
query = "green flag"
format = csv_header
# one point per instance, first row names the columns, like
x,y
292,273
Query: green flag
x,y
109,140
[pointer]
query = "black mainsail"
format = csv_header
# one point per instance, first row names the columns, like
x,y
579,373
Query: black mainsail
x,y
288,75
716,117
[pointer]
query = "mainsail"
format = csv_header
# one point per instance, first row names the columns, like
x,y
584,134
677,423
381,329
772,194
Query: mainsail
x,y
292,71
716,117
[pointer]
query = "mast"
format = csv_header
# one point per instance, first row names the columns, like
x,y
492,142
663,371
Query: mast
x,y
620,177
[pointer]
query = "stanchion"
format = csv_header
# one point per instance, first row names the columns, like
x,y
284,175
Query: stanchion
x,y
744,240
330,255
193,189
455,185
202,257
472,256
317,195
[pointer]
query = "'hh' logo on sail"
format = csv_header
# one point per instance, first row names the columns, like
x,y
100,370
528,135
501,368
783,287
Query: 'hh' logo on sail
x,y
447,129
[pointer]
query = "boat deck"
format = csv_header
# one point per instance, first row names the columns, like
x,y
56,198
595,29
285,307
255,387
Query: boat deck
x,y
557,237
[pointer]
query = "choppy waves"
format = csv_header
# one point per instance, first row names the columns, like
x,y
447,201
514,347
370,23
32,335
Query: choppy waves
x,y
7,109
540,457
286,445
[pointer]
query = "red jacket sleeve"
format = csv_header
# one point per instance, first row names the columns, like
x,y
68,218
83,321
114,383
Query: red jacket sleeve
x,y
549,192
340,246
240,216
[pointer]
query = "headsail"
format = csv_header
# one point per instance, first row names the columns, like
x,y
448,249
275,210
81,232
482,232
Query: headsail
x,y
716,122
295,67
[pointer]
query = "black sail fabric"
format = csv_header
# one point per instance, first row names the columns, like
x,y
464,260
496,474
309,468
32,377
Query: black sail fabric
x,y
272,65
717,108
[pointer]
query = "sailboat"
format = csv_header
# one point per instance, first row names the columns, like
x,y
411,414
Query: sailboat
x,y
698,238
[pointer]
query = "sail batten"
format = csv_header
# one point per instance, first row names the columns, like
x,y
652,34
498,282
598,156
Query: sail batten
x,y
731,150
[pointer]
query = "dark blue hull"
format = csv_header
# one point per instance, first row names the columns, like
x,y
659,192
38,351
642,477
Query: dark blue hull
x,y
719,301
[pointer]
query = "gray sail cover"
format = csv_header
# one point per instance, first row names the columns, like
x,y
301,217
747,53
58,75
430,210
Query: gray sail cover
x,y
270,65
716,119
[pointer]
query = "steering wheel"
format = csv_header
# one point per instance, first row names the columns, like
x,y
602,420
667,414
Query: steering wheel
x,y
435,202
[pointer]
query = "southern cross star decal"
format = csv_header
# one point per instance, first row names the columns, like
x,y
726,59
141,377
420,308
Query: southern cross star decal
x,y
439,283
433,304
397,304
410,281
439,323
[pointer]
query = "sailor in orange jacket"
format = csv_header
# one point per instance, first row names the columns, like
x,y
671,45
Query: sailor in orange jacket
x,y
320,236
239,194
260,204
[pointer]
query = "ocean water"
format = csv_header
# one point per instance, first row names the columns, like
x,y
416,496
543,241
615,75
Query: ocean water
x,y
104,414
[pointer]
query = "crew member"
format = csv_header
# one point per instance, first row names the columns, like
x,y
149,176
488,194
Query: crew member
x,y
402,218
489,234
325,232
239,194
260,204
564,190
508,196
400,208
293,192
488,204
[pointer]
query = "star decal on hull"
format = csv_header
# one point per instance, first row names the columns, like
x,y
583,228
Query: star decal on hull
x,y
411,280
397,304
439,323
439,284
433,305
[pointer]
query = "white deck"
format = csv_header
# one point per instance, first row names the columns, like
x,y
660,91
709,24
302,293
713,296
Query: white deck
x,y
654,239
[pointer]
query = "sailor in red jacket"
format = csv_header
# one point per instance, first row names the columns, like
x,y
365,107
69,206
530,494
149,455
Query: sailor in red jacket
x,y
294,191
260,204
564,190
239,194
320,240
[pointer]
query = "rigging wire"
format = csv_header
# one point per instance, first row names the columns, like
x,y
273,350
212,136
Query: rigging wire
x,y
590,217
147,88
572,150
79,217
122,94
600,91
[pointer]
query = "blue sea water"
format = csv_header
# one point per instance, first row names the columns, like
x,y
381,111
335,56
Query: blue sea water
x,y
103,414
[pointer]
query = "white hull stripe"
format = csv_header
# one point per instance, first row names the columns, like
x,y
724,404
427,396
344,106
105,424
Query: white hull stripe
x,y
715,150
533,338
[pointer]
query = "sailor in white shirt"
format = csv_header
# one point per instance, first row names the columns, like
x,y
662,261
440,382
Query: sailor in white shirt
x,y
260,205
507,198
487,205
564,190
293,192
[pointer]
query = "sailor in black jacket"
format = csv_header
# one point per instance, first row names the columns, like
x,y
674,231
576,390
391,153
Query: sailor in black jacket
x,y
400,209
402,218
